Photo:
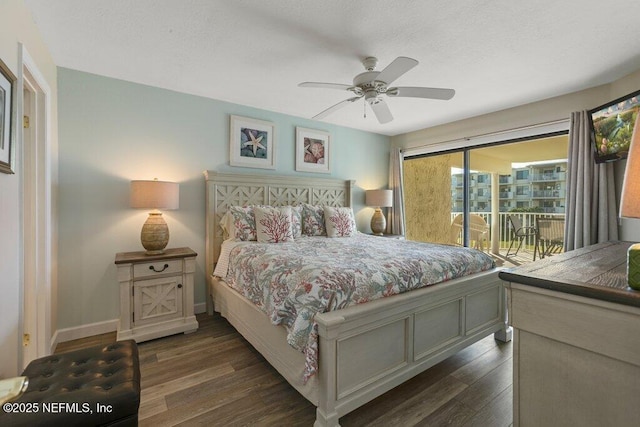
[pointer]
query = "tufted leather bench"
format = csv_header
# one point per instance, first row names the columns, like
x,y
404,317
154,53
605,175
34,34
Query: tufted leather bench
x,y
97,386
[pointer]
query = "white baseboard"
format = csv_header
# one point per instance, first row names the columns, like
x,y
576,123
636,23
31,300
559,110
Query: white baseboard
x,y
53,343
200,307
84,331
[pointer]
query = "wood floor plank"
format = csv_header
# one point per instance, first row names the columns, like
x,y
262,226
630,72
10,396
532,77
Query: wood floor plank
x,y
498,413
484,363
159,372
181,351
422,404
150,407
228,414
388,401
488,387
214,399
214,377
185,382
102,339
453,413
239,382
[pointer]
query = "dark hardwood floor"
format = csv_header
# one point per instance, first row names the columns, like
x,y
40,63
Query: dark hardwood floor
x,y
214,377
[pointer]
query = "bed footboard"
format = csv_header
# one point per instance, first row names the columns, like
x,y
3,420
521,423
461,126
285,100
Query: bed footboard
x,y
368,349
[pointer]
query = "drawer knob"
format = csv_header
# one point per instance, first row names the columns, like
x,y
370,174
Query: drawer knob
x,y
179,285
153,267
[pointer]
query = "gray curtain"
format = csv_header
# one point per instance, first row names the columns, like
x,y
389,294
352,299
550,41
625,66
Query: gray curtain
x,y
591,212
395,224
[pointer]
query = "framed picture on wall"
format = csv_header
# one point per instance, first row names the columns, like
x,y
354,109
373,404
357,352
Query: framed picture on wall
x,y
252,143
312,150
7,131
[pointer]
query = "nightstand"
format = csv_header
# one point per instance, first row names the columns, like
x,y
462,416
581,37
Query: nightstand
x,y
156,294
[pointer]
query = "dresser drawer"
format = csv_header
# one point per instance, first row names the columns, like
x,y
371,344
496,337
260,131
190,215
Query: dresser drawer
x,y
151,269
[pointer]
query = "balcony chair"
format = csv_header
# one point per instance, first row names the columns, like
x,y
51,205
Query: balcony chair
x,y
520,233
456,230
478,231
550,236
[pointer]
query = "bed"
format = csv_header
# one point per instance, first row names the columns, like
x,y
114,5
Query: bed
x,y
364,349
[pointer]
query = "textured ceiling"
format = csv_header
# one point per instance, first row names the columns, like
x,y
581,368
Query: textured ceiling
x,y
496,54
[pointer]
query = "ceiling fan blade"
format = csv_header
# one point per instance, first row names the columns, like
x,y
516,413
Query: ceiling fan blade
x,y
335,107
398,67
382,112
422,92
320,85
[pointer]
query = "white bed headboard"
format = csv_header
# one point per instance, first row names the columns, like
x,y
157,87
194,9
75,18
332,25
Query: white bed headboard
x,y
231,189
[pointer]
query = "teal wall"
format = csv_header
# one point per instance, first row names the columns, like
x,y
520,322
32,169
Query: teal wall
x,y
112,131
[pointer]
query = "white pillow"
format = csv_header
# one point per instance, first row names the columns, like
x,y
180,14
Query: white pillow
x,y
339,222
273,225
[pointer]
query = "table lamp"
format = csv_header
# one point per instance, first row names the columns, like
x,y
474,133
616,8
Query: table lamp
x,y
378,199
630,203
155,195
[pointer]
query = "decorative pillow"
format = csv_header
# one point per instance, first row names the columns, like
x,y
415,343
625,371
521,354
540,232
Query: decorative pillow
x,y
243,224
273,225
226,223
296,221
339,222
313,220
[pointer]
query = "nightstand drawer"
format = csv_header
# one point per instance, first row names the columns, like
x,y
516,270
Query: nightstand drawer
x,y
150,269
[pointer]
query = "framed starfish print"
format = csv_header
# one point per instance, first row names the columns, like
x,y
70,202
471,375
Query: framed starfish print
x,y
312,150
252,143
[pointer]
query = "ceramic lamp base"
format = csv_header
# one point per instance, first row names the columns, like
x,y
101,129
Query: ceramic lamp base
x,y
633,266
155,234
378,222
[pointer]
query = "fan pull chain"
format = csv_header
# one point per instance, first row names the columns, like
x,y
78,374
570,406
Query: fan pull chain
x,y
364,108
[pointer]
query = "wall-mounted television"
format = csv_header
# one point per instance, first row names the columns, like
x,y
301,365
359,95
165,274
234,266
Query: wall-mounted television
x,y
612,127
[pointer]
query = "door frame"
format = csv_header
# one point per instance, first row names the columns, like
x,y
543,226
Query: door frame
x,y
34,100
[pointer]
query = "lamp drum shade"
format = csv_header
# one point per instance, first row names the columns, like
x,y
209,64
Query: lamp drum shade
x,y
155,194
379,198
630,199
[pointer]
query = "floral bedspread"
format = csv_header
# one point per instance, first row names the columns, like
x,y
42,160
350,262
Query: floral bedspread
x,y
293,281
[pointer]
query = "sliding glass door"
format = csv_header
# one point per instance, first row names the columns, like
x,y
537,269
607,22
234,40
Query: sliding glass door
x,y
433,191
465,197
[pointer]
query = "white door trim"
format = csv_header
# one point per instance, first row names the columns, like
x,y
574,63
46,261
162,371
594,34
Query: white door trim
x,y
36,227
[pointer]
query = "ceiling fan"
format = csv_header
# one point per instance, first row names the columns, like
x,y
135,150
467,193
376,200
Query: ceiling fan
x,y
373,84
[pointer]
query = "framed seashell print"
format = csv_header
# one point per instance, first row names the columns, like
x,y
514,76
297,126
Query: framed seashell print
x,y
313,149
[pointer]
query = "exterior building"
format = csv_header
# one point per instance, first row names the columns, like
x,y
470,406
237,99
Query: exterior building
x,y
537,187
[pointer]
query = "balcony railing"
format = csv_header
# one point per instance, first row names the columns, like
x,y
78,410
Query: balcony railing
x,y
556,176
528,219
549,194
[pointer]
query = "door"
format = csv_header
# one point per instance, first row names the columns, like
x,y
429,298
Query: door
x,y
36,224
157,300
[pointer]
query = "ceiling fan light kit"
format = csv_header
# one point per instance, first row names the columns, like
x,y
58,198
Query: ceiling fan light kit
x,y
371,85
